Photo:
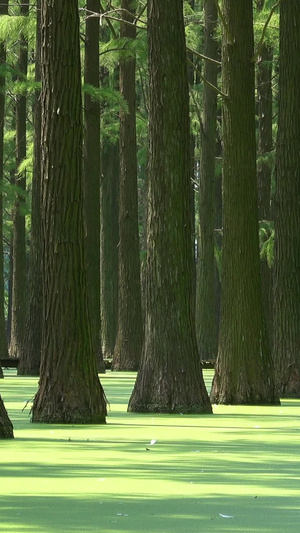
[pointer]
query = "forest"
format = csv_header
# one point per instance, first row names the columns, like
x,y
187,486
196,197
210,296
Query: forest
x,y
149,206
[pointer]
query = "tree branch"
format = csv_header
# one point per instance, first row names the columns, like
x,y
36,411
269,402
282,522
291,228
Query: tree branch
x,y
261,41
218,91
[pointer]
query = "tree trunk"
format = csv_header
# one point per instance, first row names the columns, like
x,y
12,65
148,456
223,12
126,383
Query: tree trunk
x,y
206,278
109,239
170,377
69,390
128,346
264,168
3,338
30,355
19,240
244,370
6,427
92,175
286,341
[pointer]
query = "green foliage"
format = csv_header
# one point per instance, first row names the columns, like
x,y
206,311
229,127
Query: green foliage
x,y
12,27
266,240
106,95
113,51
272,30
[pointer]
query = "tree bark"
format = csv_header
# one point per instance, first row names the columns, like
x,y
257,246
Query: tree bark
x,y
244,370
3,338
264,169
127,353
109,239
69,390
92,175
30,355
170,377
206,275
286,341
19,282
6,427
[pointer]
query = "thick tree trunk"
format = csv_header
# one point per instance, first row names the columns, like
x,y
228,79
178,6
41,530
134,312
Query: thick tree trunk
x,y
127,353
69,391
30,355
6,427
109,239
19,242
92,176
286,341
244,370
206,278
3,338
170,377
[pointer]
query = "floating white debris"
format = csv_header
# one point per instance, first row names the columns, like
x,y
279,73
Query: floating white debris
x,y
225,515
153,441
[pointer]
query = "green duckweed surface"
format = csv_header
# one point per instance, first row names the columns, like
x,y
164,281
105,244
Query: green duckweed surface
x,y
237,470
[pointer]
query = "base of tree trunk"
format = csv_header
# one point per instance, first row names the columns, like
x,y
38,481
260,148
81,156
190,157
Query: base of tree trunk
x,y
291,387
1,373
25,368
159,394
76,406
123,362
6,427
123,366
226,391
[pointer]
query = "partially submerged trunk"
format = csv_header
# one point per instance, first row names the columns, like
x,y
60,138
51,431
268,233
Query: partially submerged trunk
x,y
170,377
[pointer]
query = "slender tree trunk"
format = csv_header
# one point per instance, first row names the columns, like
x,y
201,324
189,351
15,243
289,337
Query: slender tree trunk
x,y
128,346
286,331
92,175
170,377
206,279
264,169
109,207
6,427
69,389
244,370
3,338
19,240
30,355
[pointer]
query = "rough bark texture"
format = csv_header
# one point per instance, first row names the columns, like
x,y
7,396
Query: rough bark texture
x,y
69,391
264,170
170,377
92,176
127,353
30,355
19,281
109,239
6,427
244,370
3,338
206,275
286,343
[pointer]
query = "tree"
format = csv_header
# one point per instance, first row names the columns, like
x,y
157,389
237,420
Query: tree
x,y
170,376
30,354
129,340
109,207
206,282
92,174
109,238
19,281
244,370
264,168
6,427
286,339
69,388
3,340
